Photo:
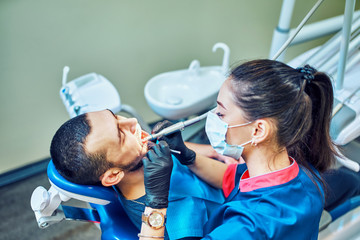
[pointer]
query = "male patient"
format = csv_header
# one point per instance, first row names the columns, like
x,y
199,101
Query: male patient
x,y
107,148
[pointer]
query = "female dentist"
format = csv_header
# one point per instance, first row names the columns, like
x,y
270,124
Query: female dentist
x,y
277,118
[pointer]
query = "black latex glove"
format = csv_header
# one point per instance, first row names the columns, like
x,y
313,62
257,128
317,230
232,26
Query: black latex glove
x,y
157,171
175,141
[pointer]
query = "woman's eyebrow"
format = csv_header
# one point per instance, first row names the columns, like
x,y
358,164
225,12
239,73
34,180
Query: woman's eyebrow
x,y
222,105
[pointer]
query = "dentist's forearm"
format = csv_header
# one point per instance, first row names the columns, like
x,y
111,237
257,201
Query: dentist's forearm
x,y
209,170
203,149
208,151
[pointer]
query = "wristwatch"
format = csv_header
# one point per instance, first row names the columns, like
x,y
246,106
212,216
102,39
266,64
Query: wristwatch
x,y
154,219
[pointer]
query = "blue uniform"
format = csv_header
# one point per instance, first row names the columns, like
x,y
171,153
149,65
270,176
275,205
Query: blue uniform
x,y
284,204
191,202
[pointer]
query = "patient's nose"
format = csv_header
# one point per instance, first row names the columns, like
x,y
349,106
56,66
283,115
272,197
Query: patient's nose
x,y
129,123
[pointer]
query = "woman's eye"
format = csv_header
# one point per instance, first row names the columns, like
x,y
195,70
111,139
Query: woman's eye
x,y
219,114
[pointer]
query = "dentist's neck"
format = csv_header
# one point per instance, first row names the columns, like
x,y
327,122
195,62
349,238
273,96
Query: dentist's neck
x,y
262,160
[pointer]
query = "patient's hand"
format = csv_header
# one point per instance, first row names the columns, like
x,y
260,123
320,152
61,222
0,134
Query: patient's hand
x,y
208,151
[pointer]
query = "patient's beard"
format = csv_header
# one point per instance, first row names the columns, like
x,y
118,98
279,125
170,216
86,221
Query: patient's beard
x,y
136,167
131,167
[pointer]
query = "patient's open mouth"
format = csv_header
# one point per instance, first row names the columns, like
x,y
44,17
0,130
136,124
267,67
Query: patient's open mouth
x,y
143,137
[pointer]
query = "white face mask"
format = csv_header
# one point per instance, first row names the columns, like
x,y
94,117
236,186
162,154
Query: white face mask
x,y
216,130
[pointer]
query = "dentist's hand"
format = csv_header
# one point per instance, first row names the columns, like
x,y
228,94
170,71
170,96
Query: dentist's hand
x,y
175,141
157,171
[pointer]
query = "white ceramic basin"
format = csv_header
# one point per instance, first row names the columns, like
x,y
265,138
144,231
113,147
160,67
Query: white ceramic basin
x,y
179,94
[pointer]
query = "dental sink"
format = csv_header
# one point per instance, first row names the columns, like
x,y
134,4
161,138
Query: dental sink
x,y
182,93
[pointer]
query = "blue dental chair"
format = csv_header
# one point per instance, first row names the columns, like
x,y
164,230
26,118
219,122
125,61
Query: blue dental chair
x,y
106,210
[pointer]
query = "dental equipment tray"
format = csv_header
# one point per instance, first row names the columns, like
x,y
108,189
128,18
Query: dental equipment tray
x,y
91,92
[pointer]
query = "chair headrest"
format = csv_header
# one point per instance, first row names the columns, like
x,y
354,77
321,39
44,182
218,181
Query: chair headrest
x,y
90,193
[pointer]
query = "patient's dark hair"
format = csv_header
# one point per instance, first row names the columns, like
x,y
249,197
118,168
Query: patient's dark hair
x,y
299,101
70,157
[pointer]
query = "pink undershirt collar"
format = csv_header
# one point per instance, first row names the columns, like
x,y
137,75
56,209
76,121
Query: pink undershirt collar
x,y
275,178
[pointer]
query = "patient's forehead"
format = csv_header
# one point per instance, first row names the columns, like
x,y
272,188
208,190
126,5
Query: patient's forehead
x,y
104,131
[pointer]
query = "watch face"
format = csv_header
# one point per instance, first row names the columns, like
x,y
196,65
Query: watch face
x,y
156,219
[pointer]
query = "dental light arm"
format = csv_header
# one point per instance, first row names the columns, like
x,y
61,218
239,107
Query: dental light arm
x,y
297,30
176,127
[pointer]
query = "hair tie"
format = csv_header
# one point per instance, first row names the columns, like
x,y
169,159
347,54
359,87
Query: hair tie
x,y
308,73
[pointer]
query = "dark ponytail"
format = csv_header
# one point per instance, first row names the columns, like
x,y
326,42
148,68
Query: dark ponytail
x,y
299,101
317,146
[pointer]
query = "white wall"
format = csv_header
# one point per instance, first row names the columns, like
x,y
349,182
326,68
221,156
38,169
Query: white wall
x,y
126,41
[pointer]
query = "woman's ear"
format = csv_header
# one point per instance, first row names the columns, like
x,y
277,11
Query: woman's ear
x,y
112,177
261,131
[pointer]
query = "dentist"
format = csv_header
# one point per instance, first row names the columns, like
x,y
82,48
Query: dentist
x,y
277,118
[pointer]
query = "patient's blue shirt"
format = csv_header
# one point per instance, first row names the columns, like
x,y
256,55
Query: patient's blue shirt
x,y
191,202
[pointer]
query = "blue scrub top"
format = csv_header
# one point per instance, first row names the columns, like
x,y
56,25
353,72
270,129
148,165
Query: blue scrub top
x,y
191,203
291,210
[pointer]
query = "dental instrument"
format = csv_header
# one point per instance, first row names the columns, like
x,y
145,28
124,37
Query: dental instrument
x,y
176,127
65,74
175,151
